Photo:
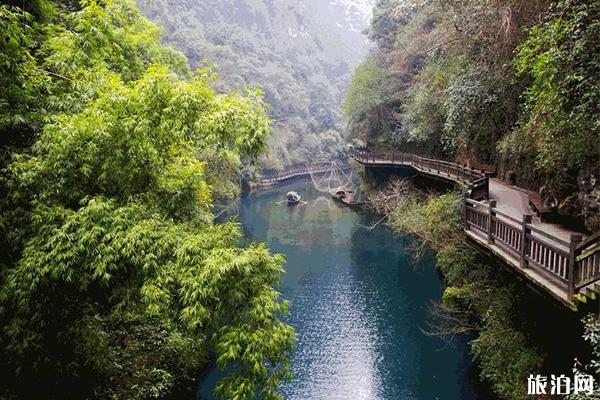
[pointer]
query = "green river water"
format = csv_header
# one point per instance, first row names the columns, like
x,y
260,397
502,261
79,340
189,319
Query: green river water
x,y
358,302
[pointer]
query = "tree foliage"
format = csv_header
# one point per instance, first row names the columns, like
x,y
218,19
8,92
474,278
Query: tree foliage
x,y
365,98
559,128
301,53
507,84
115,282
478,113
424,111
592,336
19,77
478,298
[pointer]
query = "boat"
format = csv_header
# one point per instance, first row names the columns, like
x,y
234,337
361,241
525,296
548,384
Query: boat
x,y
346,198
293,198
342,196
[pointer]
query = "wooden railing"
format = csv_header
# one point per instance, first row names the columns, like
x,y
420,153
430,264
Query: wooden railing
x,y
571,264
587,261
476,181
291,171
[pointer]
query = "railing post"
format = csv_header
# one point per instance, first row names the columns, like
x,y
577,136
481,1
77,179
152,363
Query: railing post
x,y
491,215
466,211
575,240
527,219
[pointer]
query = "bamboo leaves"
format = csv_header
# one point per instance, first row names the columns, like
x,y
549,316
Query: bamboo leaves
x,y
118,269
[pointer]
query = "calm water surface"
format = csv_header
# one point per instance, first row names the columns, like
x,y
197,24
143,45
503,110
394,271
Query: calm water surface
x,y
358,302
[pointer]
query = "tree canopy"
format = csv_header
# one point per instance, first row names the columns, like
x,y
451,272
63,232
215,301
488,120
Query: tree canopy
x,y
510,85
115,281
301,53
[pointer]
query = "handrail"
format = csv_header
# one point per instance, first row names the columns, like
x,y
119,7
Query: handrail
x,y
508,217
444,169
294,170
587,260
475,202
595,238
547,235
573,264
547,242
567,263
287,170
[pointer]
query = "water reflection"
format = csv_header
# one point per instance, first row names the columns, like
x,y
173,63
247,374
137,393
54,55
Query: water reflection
x,y
313,221
358,303
337,343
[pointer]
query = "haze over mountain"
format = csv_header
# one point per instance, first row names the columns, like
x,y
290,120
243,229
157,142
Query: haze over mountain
x,y
301,53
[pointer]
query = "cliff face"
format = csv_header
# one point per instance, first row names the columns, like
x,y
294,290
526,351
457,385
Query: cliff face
x,y
589,198
301,53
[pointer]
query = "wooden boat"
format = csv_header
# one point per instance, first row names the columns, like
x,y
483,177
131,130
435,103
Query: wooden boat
x,y
346,198
293,198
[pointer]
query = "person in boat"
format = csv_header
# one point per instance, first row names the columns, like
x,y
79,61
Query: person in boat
x,y
340,194
293,198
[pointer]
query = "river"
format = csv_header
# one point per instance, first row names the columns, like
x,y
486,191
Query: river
x,y
358,302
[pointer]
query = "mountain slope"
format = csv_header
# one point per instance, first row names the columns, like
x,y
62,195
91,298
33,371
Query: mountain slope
x,y
301,54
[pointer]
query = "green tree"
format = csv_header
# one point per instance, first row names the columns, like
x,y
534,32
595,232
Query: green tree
x,y
117,283
558,130
479,297
365,103
591,335
479,112
20,78
424,111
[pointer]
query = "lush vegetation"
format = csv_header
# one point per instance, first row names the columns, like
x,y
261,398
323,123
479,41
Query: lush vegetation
x,y
301,53
592,337
509,85
502,350
114,280
484,300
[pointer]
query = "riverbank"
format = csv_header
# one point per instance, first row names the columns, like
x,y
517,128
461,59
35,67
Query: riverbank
x,y
510,321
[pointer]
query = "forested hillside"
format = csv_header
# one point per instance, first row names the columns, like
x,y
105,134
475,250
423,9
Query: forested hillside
x,y
302,54
509,86
114,281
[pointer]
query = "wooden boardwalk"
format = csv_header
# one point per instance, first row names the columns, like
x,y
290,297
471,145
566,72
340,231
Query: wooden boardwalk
x,y
292,171
498,218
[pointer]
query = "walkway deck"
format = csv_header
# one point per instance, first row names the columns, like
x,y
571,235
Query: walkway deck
x,y
498,218
515,202
292,172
